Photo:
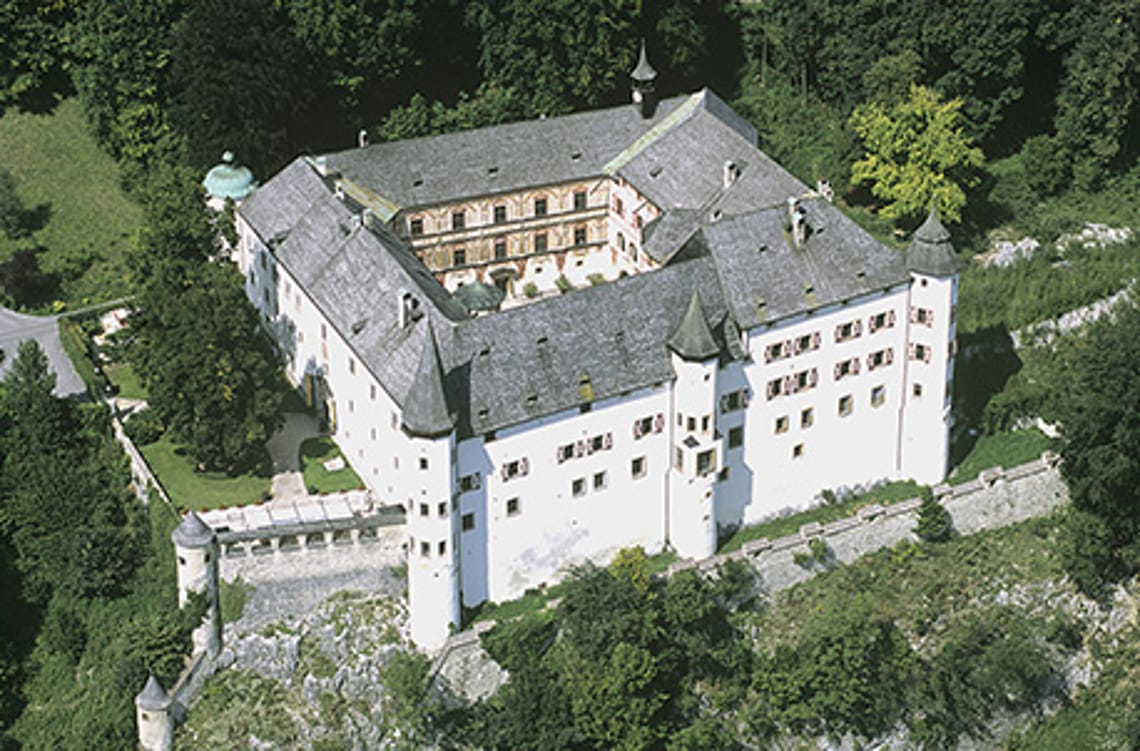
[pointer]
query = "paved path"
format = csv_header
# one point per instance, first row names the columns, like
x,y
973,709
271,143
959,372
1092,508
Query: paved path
x,y
16,327
284,447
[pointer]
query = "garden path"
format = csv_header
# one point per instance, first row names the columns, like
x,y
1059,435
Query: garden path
x,y
284,449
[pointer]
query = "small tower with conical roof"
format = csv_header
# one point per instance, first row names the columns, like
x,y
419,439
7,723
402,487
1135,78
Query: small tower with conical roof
x,y
433,556
153,717
696,458
196,547
933,299
643,78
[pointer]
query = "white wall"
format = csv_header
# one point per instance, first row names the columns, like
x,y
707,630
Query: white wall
x,y
926,434
552,527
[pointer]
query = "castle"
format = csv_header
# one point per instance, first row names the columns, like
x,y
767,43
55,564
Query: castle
x,y
552,339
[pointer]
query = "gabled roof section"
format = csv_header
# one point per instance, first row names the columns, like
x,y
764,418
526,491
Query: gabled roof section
x,y
766,277
930,251
499,159
693,339
425,408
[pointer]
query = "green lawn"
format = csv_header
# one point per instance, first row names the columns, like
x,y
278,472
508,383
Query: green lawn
x,y
123,375
200,490
887,494
73,189
1000,450
316,451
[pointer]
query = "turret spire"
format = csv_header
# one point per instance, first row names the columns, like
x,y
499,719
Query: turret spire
x,y
643,77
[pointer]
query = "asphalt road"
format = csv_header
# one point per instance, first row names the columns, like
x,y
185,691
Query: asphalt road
x,y
16,327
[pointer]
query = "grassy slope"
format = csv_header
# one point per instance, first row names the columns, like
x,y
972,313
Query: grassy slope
x,y
57,164
316,451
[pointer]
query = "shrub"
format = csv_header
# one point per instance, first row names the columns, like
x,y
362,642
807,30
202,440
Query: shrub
x,y
563,284
530,289
1045,165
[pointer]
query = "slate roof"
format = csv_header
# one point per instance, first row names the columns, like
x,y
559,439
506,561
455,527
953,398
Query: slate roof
x,y
152,698
425,410
728,246
930,251
693,340
192,532
436,169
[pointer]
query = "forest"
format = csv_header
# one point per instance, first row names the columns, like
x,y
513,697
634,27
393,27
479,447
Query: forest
x,y
1019,117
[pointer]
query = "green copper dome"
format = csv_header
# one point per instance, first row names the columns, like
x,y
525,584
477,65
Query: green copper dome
x,y
229,179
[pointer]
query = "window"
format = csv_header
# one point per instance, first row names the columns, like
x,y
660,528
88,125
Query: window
x,y
416,227
692,424
599,481
736,437
500,250
564,453
460,256
424,509
678,458
469,482
921,352
372,391
500,214
458,220
619,209
442,509
803,379
733,401
917,391
512,507
423,462
580,200
578,487
797,451
468,522
880,358
807,418
705,422
878,396
324,332
540,207
776,351
352,366
782,424
846,368
637,467
540,242
425,549
921,315
849,330
642,427
706,462
884,320
775,387
621,241
579,235
517,468
846,405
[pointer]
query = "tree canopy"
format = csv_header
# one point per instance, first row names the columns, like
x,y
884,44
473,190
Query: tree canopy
x,y
916,151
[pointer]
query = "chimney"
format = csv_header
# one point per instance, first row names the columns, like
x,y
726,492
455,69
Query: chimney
x,y
797,219
362,138
365,218
731,172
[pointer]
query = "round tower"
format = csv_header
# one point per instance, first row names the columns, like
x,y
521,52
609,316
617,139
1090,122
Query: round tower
x,y
153,717
196,548
433,537
643,78
933,268
696,457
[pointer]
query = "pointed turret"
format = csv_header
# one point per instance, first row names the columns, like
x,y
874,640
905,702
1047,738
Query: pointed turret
x,y
425,410
192,532
693,339
930,251
643,77
152,698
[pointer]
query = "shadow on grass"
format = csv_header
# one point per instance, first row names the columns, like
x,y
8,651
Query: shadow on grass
x,y
985,363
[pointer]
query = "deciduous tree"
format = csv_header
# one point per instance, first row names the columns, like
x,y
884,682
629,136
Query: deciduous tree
x,y
916,151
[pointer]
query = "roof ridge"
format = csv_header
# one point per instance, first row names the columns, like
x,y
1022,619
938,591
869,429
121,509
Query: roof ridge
x,y
674,118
